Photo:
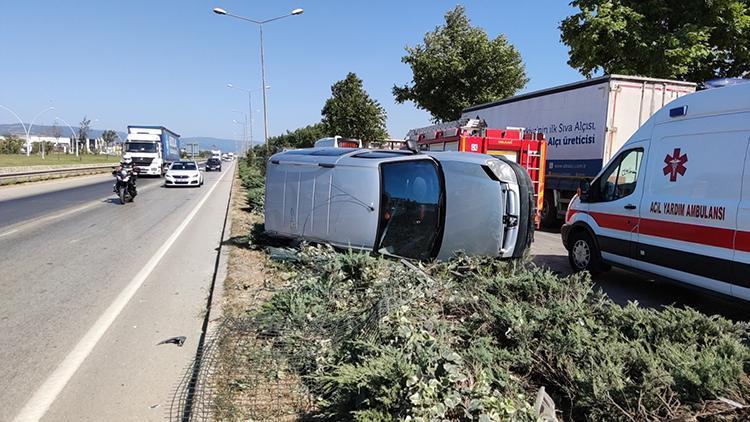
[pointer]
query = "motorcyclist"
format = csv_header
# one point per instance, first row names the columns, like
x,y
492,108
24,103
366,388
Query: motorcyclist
x,y
126,163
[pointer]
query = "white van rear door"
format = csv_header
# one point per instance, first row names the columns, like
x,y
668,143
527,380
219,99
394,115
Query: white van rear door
x,y
691,195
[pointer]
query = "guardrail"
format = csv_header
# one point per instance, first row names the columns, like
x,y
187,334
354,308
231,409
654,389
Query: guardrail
x,y
52,172
60,171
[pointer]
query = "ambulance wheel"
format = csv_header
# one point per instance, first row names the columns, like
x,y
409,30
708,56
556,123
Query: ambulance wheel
x,y
584,255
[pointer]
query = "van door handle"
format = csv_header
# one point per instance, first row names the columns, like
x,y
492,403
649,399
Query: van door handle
x,y
630,207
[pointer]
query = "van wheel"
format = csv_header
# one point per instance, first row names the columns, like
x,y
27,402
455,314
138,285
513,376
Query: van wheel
x,y
584,254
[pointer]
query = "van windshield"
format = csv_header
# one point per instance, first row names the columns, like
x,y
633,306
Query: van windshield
x,y
410,209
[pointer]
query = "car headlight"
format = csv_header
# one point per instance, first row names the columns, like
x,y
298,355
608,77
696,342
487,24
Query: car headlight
x,y
501,170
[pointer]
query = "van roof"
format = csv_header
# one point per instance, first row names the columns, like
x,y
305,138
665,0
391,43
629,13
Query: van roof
x,y
728,99
361,157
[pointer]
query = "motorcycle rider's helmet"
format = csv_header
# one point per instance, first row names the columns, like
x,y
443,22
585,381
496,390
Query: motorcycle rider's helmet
x,y
126,160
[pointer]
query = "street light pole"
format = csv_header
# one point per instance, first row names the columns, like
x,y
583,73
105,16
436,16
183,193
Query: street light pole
x,y
28,132
19,120
72,131
263,78
244,134
249,108
243,149
294,12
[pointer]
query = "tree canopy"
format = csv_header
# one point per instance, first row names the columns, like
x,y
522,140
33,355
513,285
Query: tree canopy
x,y
694,40
109,136
459,66
350,112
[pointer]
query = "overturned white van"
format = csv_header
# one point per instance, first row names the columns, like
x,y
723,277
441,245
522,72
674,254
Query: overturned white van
x,y
420,206
675,200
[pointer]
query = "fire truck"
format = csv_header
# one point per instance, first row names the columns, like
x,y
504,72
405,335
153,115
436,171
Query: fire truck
x,y
529,149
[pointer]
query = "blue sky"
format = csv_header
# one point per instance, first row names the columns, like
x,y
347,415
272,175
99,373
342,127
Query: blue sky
x,y
168,61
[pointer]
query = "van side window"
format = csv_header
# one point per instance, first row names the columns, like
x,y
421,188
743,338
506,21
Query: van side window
x,y
619,180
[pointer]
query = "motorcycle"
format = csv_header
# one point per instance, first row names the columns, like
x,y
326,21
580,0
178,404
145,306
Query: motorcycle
x,y
125,186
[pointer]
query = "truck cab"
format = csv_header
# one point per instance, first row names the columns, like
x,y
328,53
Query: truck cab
x,y
153,148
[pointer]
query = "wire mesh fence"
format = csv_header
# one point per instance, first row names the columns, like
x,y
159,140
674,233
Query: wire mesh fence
x,y
248,368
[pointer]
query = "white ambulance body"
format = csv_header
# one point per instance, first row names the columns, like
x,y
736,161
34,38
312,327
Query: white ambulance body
x,y
675,200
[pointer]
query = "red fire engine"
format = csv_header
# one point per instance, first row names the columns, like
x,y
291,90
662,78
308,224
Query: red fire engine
x,y
529,149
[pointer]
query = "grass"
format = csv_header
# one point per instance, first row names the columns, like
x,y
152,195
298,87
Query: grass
x,y
19,160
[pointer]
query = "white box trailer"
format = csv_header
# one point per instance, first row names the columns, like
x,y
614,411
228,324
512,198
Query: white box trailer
x,y
584,123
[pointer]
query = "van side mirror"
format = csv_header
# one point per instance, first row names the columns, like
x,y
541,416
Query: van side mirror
x,y
411,145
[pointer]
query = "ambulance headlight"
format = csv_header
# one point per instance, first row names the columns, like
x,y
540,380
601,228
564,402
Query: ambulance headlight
x,y
502,171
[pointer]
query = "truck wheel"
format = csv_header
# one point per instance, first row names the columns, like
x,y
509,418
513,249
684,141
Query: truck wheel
x,y
549,212
584,255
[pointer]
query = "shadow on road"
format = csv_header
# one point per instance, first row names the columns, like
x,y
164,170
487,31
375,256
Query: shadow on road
x,y
624,286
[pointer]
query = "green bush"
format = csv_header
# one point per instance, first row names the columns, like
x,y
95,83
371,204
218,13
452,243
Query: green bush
x,y
11,144
475,338
254,183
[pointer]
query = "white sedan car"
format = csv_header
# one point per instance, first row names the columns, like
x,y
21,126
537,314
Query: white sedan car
x,y
183,173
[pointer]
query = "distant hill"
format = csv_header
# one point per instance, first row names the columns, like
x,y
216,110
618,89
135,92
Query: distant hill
x,y
207,142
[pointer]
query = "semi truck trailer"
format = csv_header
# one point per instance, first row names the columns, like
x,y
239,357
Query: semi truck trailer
x,y
153,148
584,123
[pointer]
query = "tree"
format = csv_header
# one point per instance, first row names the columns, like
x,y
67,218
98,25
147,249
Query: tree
x,y
108,137
83,132
351,113
303,137
56,133
459,66
691,39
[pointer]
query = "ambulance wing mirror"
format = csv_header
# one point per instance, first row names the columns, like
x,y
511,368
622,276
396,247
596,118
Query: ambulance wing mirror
x,y
583,189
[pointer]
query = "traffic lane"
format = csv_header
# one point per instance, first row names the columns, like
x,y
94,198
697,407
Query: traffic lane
x,y
128,373
43,186
624,286
60,276
23,209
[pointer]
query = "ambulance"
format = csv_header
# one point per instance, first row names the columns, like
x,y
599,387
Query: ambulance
x,y
674,202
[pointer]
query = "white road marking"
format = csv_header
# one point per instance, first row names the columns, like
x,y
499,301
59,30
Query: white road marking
x,y
47,393
7,233
47,219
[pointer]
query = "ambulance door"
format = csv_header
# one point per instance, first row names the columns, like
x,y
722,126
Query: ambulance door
x,y
741,285
692,191
614,199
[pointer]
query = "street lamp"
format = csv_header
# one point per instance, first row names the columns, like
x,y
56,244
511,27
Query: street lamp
x,y
249,107
19,120
244,133
295,12
73,138
28,131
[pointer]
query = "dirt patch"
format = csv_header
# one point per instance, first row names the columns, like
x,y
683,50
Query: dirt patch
x,y
248,280
250,377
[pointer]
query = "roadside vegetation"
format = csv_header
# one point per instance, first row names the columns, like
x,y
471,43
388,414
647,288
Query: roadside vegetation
x,y
54,159
349,336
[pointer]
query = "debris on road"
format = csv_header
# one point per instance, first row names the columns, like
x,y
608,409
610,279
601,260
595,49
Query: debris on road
x,y
180,340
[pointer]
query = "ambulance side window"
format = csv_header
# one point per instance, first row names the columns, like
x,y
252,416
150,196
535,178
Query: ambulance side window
x,y
620,178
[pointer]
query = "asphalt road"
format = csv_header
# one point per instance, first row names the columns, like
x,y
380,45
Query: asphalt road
x,y
625,286
71,257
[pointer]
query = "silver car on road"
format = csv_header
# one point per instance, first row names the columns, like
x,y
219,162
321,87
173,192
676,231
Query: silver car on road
x,y
414,205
